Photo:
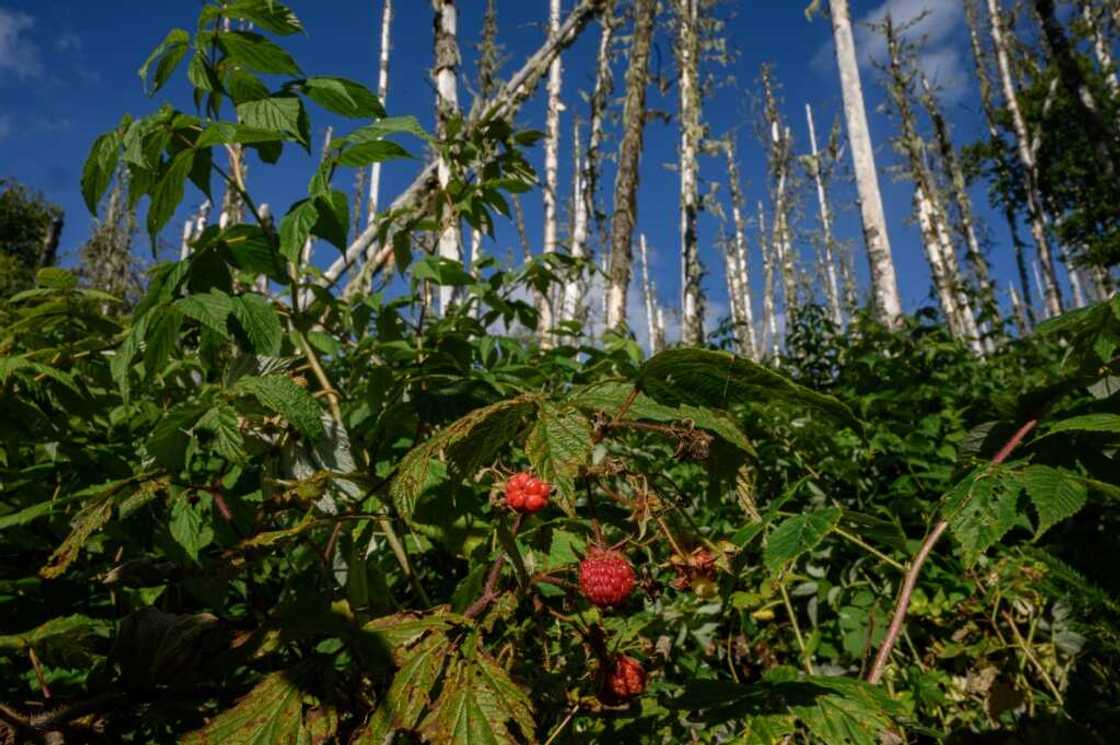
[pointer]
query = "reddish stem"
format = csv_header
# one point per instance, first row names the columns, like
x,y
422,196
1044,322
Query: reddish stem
x,y
911,578
489,594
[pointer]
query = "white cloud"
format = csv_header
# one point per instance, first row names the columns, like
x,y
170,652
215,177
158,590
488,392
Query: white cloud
x,y
935,26
5,126
18,54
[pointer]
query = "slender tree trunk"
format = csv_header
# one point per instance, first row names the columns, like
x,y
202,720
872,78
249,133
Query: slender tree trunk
x,y
382,93
600,98
769,315
545,321
1074,278
688,62
629,155
649,294
954,177
1097,23
739,257
445,75
932,217
1020,312
779,154
1051,290
832,288
987,100
884,285
1038,278
575,286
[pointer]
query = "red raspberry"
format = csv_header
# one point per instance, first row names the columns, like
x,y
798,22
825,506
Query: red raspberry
x,y
626,679
605,577
526,493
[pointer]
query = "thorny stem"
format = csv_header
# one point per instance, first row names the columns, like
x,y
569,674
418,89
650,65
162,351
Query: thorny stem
x,y
488,592
911,578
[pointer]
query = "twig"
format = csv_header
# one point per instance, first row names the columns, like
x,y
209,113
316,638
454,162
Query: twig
x,y
560,727
1026,649
796,629
869,548
911,578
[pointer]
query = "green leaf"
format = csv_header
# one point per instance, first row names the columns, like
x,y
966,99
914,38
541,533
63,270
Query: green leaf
x,y
270,713
257,53
168,191
169,54
703,377
441,271
982,507
190,524
377,151
558,445
280,114
1055,493
798,534
477,702
270,15
230,133
343,96
333,221
66,628
223,422
97,173
466,444
281,394
1088,423
211,309
388,126
295,228
56,278
261,323
254,250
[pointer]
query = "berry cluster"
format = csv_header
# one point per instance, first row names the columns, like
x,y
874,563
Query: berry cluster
x,y
624,679
605,577
527,493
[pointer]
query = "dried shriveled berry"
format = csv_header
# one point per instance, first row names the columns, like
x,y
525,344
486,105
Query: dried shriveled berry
x,y
624,680
605,577
526,493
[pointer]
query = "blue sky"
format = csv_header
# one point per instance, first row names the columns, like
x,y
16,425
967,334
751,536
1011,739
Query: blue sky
x,y
68,71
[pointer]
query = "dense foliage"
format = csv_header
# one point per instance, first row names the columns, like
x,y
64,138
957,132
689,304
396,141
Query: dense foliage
x,y
227,518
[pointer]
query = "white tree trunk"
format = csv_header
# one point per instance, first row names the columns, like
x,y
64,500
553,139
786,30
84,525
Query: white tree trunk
x,y
1074,278
884,284
574,285
1020,312
545,320
688,49
1101,46
832,287
447,105
1046,314
382,93
1049,287
769,315
648,294
739,265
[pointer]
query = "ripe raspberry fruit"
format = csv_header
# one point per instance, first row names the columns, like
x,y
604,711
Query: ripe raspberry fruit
x,y
526,493
626,679
605,577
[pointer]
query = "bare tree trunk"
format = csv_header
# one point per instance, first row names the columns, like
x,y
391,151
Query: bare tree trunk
x,y
600,97
503,105
739,267
1097,23
382,93
445,75
629,155
884,285
545,321
987,100
688,62
779,153
1020,313
1050,288
575,287
1046,314
769,315
832,287
932,217
1074,278
650,296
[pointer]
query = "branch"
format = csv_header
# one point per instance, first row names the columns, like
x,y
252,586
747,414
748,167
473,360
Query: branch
x,y
911,578
488,592
504,104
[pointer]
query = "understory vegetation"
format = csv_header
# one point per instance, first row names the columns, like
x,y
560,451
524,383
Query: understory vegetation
x,y
235,511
